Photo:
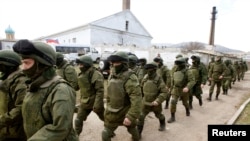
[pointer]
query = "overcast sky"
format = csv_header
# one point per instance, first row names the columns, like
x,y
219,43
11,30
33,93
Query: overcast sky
x,y
168,21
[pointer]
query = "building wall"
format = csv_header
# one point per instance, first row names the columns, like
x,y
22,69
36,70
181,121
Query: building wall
x,y
6,45
81,37
113,37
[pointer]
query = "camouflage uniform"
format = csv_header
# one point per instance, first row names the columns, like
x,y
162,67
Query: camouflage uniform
x,y
226,81
209,67
91,84
164,72
216,73
124,98
155,93
141,70
49,104
12,92
132,63
237,71
66,71
182,82
200,73
244,70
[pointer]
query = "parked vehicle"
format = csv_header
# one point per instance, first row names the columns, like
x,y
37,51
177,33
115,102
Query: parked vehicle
x,y
73,51
104,65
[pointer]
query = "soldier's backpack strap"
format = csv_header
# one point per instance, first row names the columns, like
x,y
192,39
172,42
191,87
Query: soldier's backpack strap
x,y
64,68
127,76
56,80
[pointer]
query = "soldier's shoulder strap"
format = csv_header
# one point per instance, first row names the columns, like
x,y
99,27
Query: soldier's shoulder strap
x,y
55,81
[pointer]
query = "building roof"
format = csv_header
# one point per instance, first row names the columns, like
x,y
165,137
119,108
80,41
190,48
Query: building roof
x,y
100,23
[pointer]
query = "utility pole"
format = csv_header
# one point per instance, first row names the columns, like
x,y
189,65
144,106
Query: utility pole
x,y
212,30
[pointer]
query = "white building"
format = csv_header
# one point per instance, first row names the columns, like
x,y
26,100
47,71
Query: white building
x,y
122,29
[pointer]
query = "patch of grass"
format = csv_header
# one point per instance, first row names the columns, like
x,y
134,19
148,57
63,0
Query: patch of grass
x,y
244,117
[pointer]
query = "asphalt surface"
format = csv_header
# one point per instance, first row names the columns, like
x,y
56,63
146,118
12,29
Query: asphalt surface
x,y
192,128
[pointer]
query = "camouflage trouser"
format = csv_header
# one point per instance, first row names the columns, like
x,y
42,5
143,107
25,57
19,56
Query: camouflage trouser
x,y
226,83
218,84
109,131
147,109
82,116
175,97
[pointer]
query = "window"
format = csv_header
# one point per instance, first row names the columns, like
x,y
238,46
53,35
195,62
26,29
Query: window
x,y
74,40
127,25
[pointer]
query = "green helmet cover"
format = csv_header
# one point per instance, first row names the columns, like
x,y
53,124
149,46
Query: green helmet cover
x,y
119,56
9,58
85,60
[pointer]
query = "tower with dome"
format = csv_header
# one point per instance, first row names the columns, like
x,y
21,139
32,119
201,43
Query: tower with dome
x,y
9,40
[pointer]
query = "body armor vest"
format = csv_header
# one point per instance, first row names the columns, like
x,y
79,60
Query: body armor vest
x,y
179,77
87,91
116,92
150,90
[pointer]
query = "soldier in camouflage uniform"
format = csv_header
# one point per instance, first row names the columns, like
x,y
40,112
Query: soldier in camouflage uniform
x,y
165,73
49,103
141,70
200,74
124,99
226,81
12,92
182,82
132,63
216,74
91,84
208,68
237,71
244,70
66,71
241,70
155,92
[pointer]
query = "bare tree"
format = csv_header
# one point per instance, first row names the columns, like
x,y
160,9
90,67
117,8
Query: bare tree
x,y
190,46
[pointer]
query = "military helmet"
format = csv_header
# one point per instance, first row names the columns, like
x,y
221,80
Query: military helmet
x,y
9,58
158,60
151,65
119,56
180,61
86,60
59,55
195,58
142,60
178,56
132,58
40,51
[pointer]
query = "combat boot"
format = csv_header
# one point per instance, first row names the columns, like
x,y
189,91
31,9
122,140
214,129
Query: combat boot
x,y
217,97
210,97
78,126
190,105
162,125
166,106
200,101
224,91
172,118
140,128
187,111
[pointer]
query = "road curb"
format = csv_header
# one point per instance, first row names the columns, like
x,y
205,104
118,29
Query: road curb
x,y
238,112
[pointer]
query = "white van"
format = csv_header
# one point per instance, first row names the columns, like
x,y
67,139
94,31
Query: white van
x,y
73,51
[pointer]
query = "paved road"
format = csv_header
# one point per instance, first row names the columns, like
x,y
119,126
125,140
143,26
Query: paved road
x,y
193,128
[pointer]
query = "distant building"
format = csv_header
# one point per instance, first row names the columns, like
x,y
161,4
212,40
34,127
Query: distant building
x,y
122,29
9,41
